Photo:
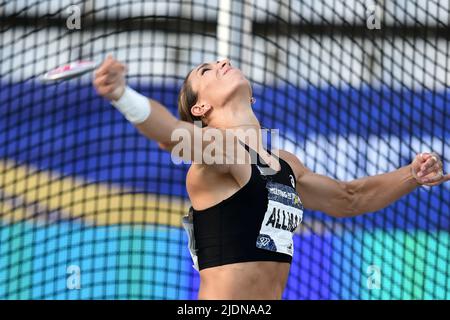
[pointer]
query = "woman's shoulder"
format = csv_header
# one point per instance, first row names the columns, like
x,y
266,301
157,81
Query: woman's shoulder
x,y
293,161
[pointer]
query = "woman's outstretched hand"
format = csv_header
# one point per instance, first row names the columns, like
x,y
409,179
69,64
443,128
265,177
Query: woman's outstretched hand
x,y
109,79
427,169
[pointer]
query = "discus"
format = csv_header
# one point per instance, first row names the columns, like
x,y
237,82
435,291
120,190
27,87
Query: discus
x,y
70,70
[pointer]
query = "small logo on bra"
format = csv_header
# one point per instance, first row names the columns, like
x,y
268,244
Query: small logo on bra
x,y
290,249
292,180
260,170
264,241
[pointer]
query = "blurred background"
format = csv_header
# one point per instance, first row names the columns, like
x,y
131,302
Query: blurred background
x,y
90,209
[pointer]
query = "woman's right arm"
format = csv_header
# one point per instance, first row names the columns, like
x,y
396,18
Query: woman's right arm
x,y
156,122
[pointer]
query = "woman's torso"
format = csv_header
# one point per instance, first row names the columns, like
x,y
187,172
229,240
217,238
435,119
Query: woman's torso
x,y
208,188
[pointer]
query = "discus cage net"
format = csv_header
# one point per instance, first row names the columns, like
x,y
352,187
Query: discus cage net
x,y
91,209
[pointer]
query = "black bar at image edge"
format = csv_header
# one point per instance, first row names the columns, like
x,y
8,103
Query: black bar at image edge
x,y
180,309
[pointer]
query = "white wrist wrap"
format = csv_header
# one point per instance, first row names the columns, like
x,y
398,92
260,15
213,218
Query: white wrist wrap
x,y
133,105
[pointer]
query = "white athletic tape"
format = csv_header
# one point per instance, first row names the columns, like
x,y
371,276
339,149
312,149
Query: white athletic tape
x,y
134,106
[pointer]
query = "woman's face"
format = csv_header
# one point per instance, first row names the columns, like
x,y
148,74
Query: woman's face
x,y
218,82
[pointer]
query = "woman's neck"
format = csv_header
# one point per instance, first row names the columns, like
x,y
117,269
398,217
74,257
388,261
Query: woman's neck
x,y
248,133
237,117
239,120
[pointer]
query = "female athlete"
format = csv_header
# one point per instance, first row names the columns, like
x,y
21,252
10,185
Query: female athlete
x,y
244,217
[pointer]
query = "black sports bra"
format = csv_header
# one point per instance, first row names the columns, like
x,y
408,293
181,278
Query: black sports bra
x,y
256,223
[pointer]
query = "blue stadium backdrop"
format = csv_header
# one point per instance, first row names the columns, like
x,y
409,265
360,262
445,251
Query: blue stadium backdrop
x,y
90,209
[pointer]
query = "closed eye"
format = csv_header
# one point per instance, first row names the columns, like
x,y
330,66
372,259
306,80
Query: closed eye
x,y
204,70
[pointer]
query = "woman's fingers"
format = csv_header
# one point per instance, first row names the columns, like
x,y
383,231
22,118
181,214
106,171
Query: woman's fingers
x,y
427,169
431,166
436,180
109,78
110,66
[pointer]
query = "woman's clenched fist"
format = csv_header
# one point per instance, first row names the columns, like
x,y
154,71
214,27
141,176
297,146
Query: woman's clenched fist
x,y
109,79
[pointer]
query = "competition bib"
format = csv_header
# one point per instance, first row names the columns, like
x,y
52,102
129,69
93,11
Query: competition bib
x,y
284,214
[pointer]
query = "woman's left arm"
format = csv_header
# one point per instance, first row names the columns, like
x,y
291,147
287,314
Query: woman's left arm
x,y
368,194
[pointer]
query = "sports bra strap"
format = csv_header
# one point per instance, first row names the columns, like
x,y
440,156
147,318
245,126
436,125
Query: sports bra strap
x,y
259,161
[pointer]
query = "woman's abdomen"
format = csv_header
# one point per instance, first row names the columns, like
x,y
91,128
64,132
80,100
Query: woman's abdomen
x,y
244,281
